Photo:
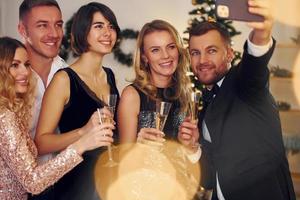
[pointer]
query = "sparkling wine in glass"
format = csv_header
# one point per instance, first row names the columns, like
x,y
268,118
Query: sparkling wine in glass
x,y
111,101
193,110
162,111
194,104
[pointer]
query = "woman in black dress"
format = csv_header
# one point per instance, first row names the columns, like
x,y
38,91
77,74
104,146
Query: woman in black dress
x,y
75,94
161,64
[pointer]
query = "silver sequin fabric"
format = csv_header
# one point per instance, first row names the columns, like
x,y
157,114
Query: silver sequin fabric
x,y
19,171
146,119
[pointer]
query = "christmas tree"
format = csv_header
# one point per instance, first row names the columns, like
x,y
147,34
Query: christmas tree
x,y
205,11
65,47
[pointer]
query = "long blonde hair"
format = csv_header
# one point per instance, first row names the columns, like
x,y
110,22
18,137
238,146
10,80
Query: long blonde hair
x,y
180,82
20,104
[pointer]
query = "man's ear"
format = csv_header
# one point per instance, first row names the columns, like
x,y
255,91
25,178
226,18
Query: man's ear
x,y
22,30
230,54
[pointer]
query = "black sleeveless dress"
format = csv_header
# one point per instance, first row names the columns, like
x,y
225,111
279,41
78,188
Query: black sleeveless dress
x,y
146,117
78,184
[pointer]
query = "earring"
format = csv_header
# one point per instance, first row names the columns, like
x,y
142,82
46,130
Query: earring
x,y
146,64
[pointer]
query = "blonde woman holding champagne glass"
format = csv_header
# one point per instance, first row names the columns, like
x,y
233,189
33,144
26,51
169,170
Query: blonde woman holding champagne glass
x,y
160,65
75,94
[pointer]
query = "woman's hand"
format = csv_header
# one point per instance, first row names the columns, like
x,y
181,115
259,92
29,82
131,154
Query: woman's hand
x,y
94,121
151,135
95,134
98,136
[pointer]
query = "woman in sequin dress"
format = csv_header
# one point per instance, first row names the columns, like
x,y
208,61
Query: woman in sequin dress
x,y
75,93
161,64
19,171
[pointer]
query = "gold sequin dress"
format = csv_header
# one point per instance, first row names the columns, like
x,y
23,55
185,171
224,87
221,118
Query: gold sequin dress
x,y
19,171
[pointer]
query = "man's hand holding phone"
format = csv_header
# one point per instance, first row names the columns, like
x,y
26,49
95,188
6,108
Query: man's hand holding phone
x,y
257,13
262,31
236,10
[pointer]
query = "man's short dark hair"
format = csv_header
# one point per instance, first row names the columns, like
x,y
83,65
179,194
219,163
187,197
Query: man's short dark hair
x,y
204,27
27,5
82,23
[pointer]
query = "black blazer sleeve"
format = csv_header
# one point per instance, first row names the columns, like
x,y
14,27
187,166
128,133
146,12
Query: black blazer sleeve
x,y
253,72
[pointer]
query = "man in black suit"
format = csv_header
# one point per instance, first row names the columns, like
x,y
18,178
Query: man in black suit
x,y
242,153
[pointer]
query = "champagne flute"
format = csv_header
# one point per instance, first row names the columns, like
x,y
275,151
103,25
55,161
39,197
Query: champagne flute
x,y
162,111
161,115
194,104
194,109
111,101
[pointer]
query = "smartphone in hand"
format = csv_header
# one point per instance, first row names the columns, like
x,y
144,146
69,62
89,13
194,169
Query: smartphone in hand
x,y
236,10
